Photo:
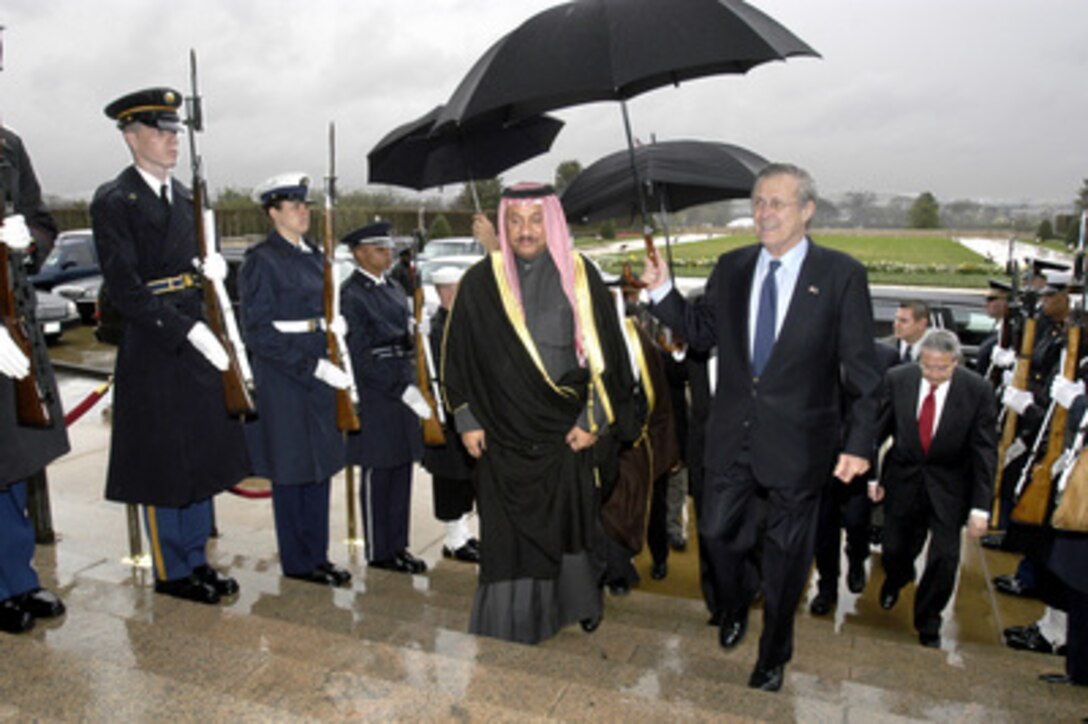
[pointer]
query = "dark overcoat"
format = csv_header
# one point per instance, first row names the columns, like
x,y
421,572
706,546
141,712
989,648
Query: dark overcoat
x,y
377,317
173,442
294,439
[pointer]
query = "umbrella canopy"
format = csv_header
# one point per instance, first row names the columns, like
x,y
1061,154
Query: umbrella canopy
x,y
674,174
594,50
415,156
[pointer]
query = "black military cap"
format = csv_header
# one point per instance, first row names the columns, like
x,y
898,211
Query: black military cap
x,y
376,233
999,289
1042,266
155,107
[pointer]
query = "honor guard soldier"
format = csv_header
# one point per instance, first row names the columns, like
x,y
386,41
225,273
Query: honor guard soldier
x,y
173,445
24,450
294,441
380,344
449,463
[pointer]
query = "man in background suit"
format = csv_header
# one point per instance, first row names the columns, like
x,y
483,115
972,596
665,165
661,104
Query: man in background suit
x,y
940,466
797,384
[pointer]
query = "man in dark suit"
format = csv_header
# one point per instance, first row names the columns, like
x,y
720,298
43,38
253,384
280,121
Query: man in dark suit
x,y
940,467
797,383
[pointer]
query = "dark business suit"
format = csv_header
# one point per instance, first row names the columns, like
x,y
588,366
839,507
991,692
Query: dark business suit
x,y
772,441
933,493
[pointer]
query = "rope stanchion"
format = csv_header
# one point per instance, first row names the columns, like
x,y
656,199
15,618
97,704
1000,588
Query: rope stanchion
x,y
87,403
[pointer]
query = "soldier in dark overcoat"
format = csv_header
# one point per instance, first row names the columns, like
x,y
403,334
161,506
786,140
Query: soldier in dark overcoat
x,y
294,440
23,450
174,445
379,340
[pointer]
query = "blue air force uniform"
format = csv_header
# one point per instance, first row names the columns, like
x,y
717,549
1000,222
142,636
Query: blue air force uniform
x,y
174,445
380,344
24,450
294,441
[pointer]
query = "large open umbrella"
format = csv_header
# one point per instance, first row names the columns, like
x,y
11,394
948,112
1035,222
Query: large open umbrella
x,y
674,175
594,50
417,156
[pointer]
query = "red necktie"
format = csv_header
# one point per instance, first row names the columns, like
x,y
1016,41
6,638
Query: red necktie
x,y
925,420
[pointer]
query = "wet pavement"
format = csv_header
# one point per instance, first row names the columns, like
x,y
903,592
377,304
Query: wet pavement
x,y
395,647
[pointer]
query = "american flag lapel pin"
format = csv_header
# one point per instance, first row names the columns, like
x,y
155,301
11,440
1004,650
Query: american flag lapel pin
x,y
814,291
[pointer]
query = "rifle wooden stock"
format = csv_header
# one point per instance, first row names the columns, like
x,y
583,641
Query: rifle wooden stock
x,y
346,418
30,411
235,391
432,428
1031,508
1008,434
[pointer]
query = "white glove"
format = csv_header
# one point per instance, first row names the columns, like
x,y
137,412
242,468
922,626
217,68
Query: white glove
x,y
1016,400
332,375
13,363
15,234
1006,378
1065,391
1003,357
205,342
415,400
339,326
425,325
213,267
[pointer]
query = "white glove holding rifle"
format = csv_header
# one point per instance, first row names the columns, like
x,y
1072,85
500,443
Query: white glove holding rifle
x,y
415,400
201,337
332,375
1003,357
15,234
13,363
338,326
1017,400
1065,391
213,267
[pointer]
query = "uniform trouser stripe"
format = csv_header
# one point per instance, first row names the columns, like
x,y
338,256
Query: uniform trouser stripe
x,y
156,546
368,529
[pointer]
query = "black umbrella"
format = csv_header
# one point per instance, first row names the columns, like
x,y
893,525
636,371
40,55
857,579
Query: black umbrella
x,y
593,50
674,175
416,156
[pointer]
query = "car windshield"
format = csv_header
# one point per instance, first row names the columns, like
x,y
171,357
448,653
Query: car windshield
x,y
71,249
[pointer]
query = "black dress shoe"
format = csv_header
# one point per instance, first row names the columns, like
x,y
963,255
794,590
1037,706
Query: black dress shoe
x,y
591,624
190,588
619,587
888,597
930,641
224,585
767,679
317,575
1028,638
855,578
466,553
1056,678
993,541
13,618
473,543
821,605
41,603
1013,586
677,543
659,570
402,562
732,629
342,576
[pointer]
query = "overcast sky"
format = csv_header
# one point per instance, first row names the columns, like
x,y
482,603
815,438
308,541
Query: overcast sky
x,y
965,98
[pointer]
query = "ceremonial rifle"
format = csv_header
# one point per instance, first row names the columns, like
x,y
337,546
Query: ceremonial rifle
x,y
30,407
1031,507
1020,382
346,419
237,378
425,376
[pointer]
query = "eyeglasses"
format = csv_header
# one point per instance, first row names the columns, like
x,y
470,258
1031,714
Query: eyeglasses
x,y
774,205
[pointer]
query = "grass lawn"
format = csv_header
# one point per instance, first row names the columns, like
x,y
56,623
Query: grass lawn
x,y
912,260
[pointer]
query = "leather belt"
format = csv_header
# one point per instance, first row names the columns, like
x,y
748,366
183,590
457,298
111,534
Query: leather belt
x,y
168,285
299,326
